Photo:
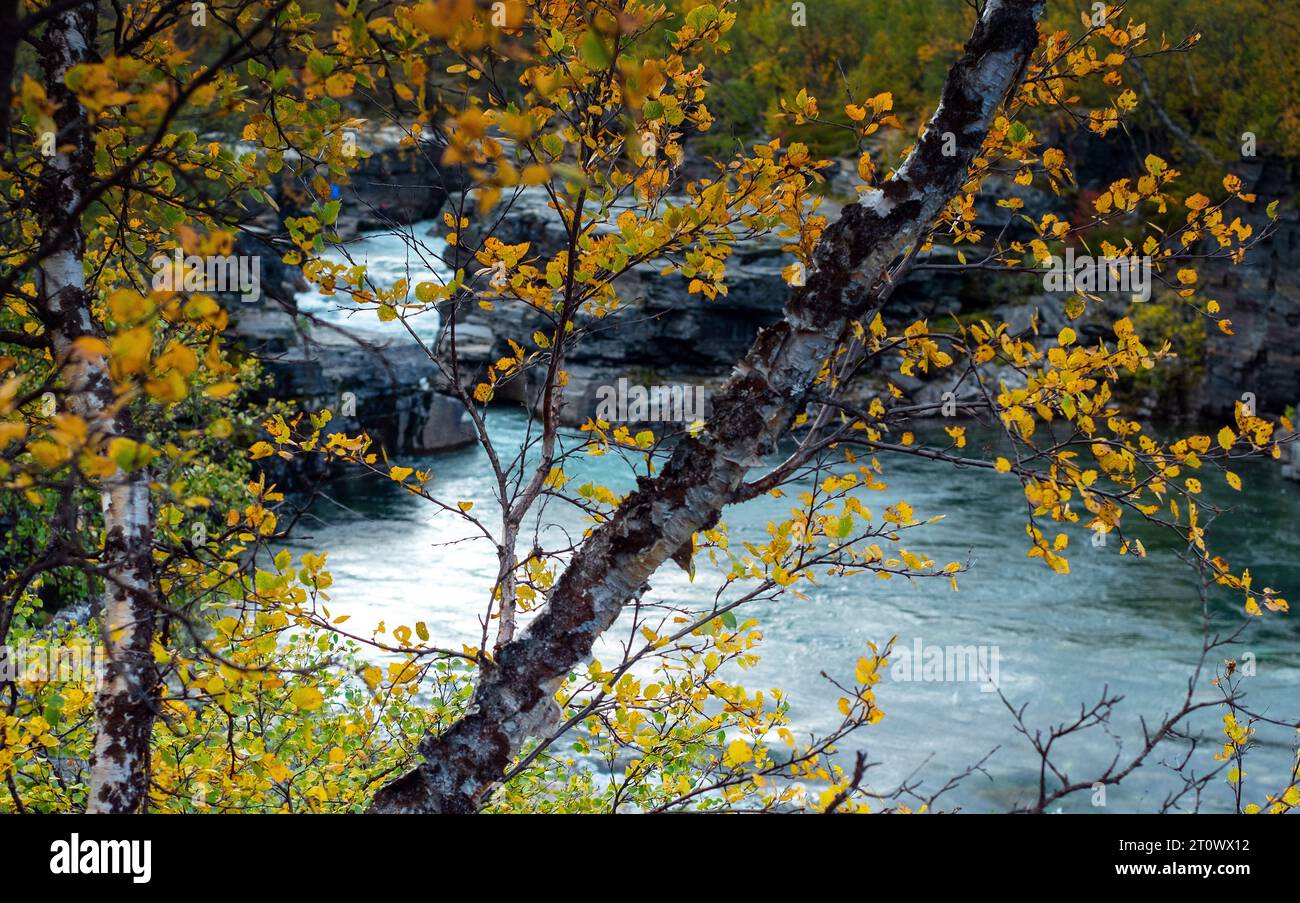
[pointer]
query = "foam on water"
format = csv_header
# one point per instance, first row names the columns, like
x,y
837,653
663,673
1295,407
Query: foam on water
x,y
402,252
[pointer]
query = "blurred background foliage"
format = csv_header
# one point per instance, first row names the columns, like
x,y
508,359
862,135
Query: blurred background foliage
x,y
1242,75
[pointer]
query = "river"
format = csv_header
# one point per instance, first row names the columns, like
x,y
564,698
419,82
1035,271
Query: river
x,y
1132,625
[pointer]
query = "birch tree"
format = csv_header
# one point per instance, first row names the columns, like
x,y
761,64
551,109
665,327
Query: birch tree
x,y
124,707
770,387
99,178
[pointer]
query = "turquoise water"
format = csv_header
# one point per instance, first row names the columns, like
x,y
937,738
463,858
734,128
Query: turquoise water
x,y
1133,625
1119,622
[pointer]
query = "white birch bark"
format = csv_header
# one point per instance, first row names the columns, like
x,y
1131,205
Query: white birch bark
x,y
124,702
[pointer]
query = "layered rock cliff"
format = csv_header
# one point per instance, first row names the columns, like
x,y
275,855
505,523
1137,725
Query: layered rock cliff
x,y
663,335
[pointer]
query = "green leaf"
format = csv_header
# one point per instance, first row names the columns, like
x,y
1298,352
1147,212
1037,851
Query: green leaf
x,y
319,63
844,527
553,144
594,51
53,709
702,17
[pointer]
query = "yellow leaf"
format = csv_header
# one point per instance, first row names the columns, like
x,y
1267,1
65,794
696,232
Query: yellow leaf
x,y
307,698
128,307
339,85
10,430
91,347
220,390
535,174
48,454
738,753
129,454
131,351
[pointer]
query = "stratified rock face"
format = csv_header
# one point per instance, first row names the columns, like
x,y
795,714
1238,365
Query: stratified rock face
x,y
1262,298
662,335
280,283
395,182
379,383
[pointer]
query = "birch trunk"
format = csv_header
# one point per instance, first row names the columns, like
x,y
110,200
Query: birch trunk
x,y
514,698
125,700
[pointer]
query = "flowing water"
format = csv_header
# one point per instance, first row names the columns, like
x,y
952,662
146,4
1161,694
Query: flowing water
x,y
1115,621
404,252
